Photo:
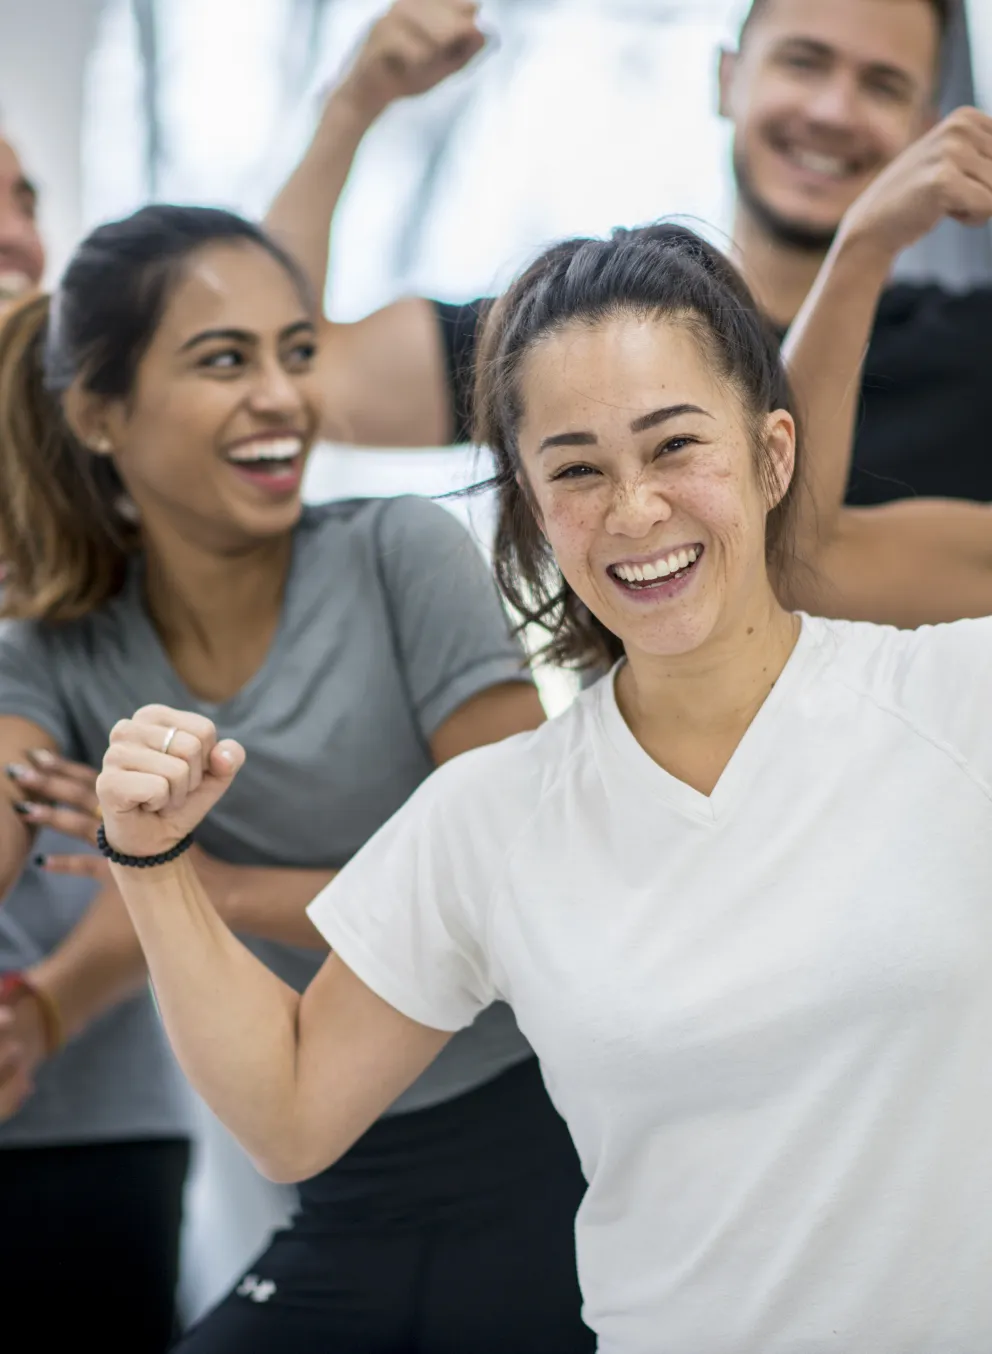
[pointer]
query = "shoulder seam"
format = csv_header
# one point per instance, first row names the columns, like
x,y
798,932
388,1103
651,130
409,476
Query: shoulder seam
x,y
545,787
946,749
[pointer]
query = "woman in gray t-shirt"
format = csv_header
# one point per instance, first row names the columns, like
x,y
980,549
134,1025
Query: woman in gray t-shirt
x,y
155,422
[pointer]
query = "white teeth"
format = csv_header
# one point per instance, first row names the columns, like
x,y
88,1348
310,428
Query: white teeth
x,y
13,284
821,164
279,449
661,568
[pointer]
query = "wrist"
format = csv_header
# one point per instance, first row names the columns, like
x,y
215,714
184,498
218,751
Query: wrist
x,y
351,109
861,245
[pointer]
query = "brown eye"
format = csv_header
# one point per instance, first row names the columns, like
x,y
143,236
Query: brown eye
x,y
228,360
573,472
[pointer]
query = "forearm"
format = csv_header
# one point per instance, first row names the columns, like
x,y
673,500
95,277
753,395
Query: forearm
x,y
824,352
97,966
272,903
15,842
231,1022
300,217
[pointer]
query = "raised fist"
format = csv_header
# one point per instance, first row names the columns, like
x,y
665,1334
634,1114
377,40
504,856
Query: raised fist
x,y
162,774
413,47
947,173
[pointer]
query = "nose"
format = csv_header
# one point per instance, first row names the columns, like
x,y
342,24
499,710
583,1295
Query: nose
x,y
274,392
635,508
834,101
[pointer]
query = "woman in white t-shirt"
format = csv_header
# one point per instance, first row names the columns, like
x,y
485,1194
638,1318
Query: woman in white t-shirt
x,y
738,895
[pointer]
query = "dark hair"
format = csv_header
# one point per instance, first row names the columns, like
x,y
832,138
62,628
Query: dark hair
x,y
64,538
664,271
945,10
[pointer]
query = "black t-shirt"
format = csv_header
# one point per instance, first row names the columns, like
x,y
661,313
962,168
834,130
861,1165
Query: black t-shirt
x,y
925,422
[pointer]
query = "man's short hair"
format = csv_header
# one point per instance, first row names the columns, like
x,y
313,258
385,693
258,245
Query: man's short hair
x,y
944,9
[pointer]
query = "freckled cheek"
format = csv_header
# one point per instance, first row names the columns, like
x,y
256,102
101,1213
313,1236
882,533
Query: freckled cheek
x,y
572,530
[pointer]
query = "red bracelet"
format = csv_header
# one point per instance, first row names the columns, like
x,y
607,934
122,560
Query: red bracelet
x,y
14,986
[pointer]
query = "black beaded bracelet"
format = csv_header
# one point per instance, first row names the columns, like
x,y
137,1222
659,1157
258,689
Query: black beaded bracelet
x,y
141,862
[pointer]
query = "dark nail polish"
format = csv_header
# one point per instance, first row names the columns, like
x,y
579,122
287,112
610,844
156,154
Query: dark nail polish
x,y
41,861
14,771
22,808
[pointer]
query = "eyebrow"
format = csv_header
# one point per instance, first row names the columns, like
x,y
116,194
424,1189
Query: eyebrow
x,y
242,335
639,425
873,68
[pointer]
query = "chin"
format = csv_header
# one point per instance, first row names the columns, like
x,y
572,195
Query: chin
x,y
670,638
272,520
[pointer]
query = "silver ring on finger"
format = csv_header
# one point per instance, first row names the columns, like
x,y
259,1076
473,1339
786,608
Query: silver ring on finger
x,y
167,741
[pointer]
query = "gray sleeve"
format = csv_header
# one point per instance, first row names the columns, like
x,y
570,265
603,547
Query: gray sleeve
x,y
28,686
452,635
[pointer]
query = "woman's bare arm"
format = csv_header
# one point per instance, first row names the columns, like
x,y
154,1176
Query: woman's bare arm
x,y
296,1079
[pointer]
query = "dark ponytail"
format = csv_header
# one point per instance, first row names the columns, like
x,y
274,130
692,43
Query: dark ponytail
x,y
65,529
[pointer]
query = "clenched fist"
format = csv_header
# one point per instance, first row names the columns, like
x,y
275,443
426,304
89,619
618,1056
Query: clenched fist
x,y
162,774
413,47
947,173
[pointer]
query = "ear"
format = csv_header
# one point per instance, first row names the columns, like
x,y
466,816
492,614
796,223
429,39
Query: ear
x,y
780,439
89,417
725,80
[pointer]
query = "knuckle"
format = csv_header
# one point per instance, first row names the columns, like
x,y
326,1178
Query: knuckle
x,y
121,731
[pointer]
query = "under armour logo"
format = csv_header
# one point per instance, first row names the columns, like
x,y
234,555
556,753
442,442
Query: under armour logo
x,y
259,1290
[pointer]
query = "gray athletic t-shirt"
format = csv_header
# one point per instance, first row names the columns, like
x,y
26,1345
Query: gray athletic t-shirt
x,y
391,621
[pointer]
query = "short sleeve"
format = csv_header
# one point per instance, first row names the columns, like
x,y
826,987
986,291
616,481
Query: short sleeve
x,y
452,634
407,912
28,685
459,331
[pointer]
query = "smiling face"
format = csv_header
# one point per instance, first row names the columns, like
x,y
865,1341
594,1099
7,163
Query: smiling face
x,y
213,440
640,467
823,96
22,258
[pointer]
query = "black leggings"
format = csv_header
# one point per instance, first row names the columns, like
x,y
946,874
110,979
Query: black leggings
x,y
89,1244
445,1231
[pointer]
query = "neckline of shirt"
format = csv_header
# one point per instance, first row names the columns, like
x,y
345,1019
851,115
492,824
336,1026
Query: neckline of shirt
x,y
747,756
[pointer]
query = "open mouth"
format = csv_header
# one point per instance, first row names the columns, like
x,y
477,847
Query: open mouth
x,y
275,464
833,168
661,575
13,284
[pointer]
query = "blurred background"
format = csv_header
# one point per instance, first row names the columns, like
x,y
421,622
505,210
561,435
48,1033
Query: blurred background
x,y
113,102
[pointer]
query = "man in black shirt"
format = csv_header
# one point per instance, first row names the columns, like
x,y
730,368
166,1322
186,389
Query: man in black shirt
x,y
822,97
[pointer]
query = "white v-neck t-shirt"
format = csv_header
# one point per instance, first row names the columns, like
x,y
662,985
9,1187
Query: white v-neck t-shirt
x,y
766,1014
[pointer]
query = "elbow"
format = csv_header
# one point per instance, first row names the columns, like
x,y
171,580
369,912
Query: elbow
x,y
292,1167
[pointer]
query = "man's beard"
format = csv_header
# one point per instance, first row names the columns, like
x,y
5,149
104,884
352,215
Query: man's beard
x,y
783,230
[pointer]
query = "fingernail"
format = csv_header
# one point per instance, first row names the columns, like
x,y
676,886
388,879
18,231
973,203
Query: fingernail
x,y
17,772
41,861
42,757
25,810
